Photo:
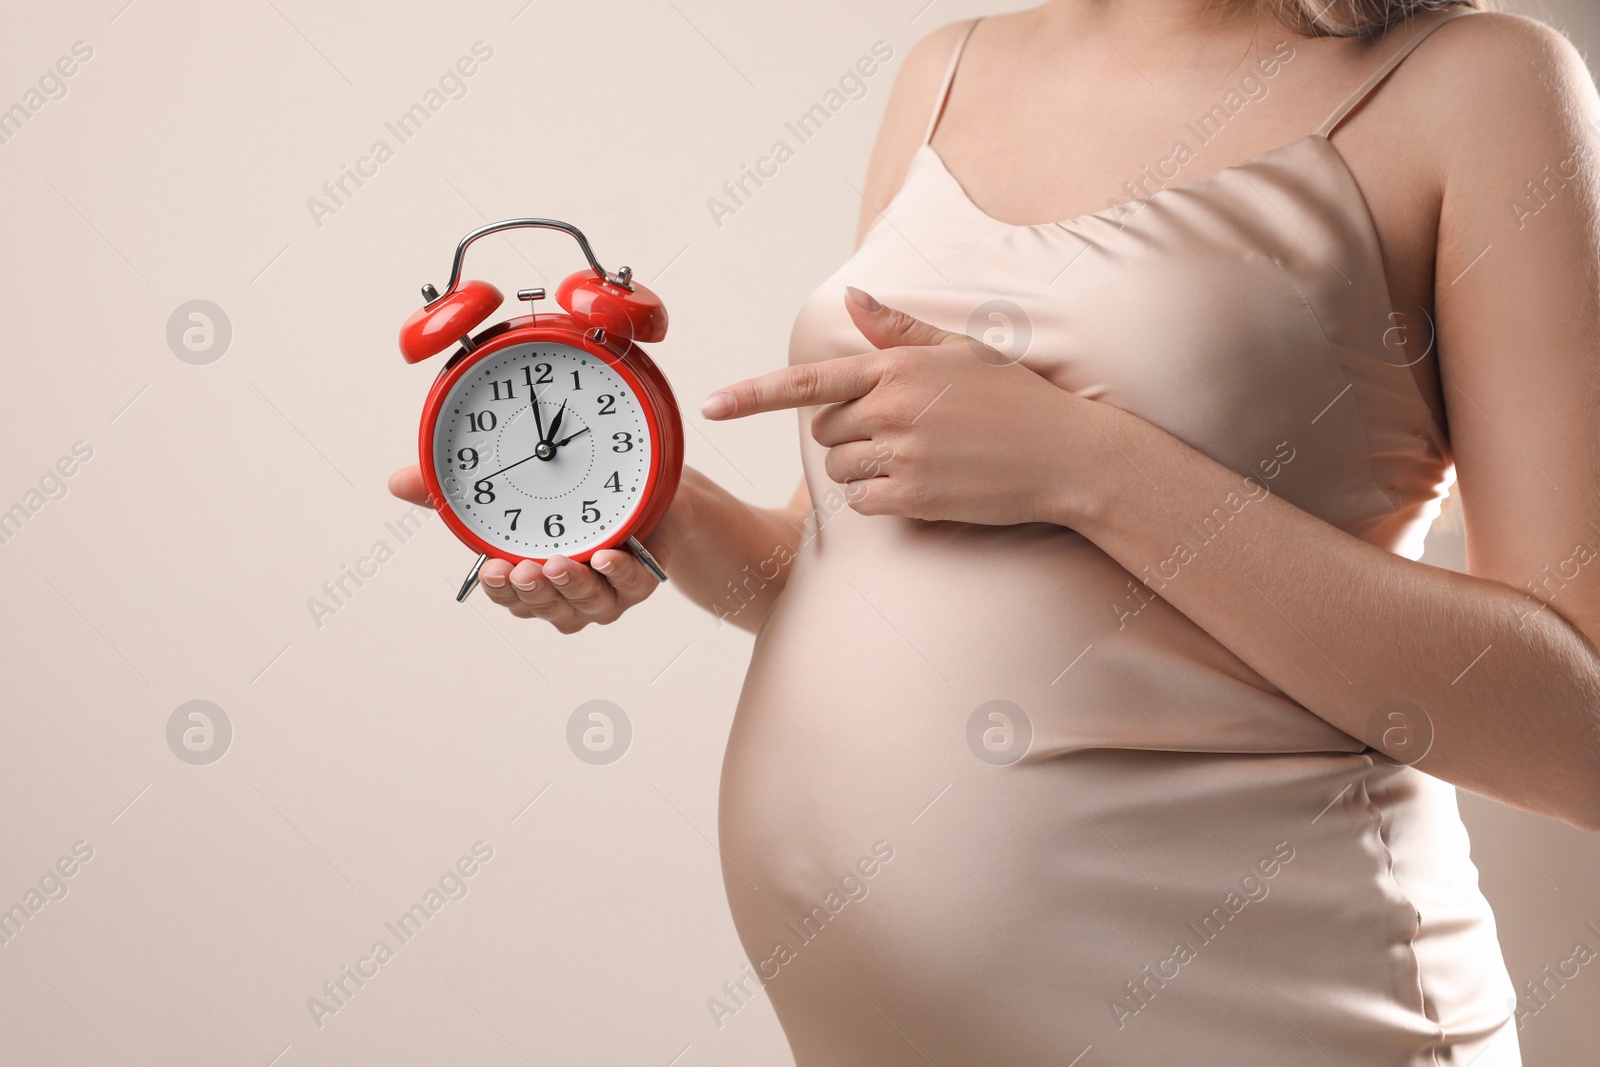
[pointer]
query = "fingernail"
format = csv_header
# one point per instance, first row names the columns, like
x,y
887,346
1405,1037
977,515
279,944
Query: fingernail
x,y
603,565
866,300
494,581
718,405
525,586
559,577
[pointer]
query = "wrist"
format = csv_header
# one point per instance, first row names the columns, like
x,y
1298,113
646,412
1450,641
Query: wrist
x,y
1083,474
693,498
706,521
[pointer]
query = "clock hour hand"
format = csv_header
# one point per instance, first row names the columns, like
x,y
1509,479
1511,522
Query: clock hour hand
x,y
555,424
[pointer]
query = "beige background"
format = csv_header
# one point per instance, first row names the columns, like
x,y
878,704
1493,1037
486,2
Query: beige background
x,y
371,752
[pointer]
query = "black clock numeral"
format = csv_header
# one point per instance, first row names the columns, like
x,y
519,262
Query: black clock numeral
x,y
468,457
590,512
553,526
484,492
544,375
514,514
509,394
614,483
576,384
481,421
624,442
608,404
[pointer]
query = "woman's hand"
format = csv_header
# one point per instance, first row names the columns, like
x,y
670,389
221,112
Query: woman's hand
x,y
567,594
932,425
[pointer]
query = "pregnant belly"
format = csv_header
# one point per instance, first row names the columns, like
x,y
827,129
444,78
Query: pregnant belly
x,y
904,656
989,885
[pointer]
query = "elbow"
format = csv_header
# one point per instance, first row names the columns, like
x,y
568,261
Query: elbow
x,y
1587,816
1564,798
1583,811
1569,793
1588,820
1579,805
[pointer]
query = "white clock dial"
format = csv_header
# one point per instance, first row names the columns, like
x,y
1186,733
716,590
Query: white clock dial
x,y
536,494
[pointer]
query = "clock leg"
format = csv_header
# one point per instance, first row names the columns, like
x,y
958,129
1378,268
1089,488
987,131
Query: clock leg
x,y
472,579
643,555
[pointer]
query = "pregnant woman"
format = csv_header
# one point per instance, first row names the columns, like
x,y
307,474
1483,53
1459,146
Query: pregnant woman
x,y
1100,711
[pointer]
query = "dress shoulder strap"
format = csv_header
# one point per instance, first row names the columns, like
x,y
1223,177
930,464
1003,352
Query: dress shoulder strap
x,y
1384,71
949,76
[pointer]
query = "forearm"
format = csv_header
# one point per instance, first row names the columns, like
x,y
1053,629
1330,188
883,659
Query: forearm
x,y
733,558
1510,691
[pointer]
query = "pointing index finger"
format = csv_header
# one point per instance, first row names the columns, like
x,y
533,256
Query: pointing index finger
x,y
827,381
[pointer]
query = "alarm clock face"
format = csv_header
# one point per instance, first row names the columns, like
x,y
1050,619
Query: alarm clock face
x,y
542,449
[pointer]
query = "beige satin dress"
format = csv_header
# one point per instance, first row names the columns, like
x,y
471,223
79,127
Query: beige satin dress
x,y
988,799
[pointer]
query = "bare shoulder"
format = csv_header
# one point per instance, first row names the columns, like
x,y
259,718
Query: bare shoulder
x,y
917,84
1500,90
922,73
1496,56
906,116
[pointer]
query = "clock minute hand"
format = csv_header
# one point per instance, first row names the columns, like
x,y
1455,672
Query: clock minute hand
x,y
538,422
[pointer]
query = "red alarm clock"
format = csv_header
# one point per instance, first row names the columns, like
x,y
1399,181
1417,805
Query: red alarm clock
x,y
549,433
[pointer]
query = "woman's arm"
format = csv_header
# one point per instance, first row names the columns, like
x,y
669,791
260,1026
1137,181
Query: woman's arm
x,y
1501,659
718,563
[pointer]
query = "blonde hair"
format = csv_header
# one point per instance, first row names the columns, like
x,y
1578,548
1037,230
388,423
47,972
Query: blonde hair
x,y
1356,18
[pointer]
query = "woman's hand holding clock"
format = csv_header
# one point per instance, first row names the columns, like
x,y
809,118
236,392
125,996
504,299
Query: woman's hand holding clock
x,y
565,593
933,425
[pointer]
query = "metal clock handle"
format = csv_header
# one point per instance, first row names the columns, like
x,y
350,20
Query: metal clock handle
x,y
472,578
642,554
623,279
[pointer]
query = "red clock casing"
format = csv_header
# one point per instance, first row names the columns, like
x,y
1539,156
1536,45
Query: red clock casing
x,y
635,368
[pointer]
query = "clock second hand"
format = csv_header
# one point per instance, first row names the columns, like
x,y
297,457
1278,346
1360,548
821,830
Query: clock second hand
x,y
552,444
507,467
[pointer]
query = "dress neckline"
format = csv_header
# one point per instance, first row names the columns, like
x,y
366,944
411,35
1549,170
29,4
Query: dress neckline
x,y
1360,217
1190,185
